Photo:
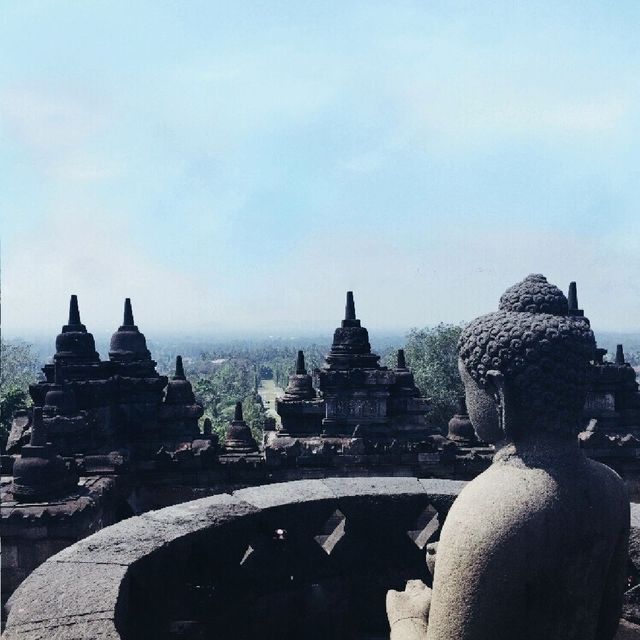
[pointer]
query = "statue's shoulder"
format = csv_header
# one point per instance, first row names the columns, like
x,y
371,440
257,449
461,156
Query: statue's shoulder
x,y
506,498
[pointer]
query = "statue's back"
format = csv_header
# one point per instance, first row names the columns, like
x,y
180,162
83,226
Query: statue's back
x,y
531,552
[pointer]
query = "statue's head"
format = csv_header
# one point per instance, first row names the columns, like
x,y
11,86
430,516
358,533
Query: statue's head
x,y
525,366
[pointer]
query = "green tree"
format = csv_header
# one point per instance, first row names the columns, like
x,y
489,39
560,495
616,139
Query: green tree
x,y
219,391
18,368
431,354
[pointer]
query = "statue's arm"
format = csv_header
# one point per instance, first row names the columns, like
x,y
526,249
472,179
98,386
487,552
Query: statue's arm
x,y
408,611
612,596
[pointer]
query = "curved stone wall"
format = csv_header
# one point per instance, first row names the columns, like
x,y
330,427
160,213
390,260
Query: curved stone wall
x,y
125,581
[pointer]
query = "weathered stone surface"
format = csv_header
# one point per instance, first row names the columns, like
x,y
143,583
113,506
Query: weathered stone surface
x,y
210,512
134,538
437,487
356,487
295,492
66,629
628,631
56,591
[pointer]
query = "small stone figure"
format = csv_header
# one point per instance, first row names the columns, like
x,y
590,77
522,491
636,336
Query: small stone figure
x,y
180,412
536,546
460,427
38,473
238,436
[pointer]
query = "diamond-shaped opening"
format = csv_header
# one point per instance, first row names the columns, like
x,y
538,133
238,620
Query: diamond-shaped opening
x,y
247,554
332,531
426,525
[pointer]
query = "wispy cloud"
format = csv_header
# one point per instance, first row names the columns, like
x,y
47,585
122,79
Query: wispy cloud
x,y
247,164
50,122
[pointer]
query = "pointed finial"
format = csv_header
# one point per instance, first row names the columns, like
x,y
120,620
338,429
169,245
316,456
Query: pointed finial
x,y
461,405
350,309
179,374
38,430
402,363
207,427
237,415
573,297
128,314
619,354
300,368
74,312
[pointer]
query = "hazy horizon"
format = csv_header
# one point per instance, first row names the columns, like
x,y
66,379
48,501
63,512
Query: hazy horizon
x,y
236,167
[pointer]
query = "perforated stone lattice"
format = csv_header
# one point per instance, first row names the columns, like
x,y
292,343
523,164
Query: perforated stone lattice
x,y
332,531
426,525
247,554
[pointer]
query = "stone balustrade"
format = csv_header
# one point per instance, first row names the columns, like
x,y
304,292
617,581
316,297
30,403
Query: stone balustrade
x,y
308,558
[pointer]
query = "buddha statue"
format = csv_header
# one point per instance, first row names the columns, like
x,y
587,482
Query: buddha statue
x,y
536,546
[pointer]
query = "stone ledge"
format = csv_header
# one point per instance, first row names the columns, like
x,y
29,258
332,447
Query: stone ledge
x,y
374,487
285,493
80,593
58,591
134,538
86,630
627,631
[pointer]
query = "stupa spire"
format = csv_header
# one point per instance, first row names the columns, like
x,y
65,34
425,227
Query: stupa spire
x,y
350,307
619,354
74,343
300,366
572,299
237,414
74,312
179,373
351,348
573,296
129,346
128,314
402,363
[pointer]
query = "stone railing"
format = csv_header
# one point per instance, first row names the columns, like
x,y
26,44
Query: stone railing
x,y
303,559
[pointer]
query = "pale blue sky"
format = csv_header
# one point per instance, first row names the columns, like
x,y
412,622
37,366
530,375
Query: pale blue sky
x,y
250,162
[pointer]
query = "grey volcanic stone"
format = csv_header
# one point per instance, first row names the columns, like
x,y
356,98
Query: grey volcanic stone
x,y
62,591
136,537
282,493
71,629
353,487
627,631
